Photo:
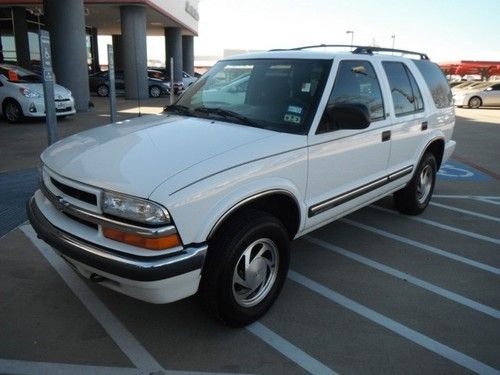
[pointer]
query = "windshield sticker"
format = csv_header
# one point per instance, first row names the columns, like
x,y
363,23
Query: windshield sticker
x,y
289,117
306,87
294,109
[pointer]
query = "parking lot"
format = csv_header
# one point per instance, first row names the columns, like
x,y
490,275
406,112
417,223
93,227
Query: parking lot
x,y
375,293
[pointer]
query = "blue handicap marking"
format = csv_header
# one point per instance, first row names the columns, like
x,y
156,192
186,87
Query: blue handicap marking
x,y
453,170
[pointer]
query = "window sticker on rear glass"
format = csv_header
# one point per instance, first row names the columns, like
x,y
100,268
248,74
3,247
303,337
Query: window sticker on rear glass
x,y
306,87
290,117
294,109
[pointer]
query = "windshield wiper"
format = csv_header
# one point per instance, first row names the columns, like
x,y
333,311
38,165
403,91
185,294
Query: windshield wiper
x,y
227,115
182,109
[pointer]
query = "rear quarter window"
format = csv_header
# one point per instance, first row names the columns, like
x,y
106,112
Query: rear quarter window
x,y
437,83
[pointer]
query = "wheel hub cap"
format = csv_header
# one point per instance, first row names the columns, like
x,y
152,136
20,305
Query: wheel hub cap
x,y
424,184
255,272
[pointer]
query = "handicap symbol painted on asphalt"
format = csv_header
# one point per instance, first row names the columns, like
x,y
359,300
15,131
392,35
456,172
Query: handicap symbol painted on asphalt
x,y
453,170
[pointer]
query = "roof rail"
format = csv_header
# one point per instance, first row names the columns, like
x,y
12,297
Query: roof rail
x,y
367,50
370,50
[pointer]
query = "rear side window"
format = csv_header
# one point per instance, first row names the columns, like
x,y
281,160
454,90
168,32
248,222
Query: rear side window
x,y
404,89
437,83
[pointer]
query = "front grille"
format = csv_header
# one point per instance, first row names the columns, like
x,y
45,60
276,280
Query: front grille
x,y
81,221
62,100
75,193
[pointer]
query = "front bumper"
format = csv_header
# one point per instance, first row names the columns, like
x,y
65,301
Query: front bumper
x,y
146,278
35,107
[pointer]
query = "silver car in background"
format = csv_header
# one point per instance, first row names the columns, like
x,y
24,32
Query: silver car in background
x,y
479,96
21,95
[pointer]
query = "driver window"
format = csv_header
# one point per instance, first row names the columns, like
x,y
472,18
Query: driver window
x,y
355,83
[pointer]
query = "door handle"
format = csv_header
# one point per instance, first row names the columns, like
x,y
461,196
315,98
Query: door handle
x,y
386,135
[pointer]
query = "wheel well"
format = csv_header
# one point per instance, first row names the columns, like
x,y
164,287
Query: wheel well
x,y
437,149
6,100
282,206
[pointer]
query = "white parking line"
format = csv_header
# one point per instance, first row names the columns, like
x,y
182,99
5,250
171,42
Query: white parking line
x,y
396,327
465,196
467,233
12,366
129,344
488,200
467,212
406,277
307,362
419,245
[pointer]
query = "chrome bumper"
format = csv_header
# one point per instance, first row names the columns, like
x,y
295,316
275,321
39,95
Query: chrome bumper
x,y
117,263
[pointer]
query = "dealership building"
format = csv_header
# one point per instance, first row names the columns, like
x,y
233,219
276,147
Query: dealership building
x,y
74,26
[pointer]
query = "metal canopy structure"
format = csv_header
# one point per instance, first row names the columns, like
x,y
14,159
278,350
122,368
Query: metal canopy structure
x,y
485,69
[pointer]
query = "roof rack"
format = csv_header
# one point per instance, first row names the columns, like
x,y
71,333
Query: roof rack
x,y
366,50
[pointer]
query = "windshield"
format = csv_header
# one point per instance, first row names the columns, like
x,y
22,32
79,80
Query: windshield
x,y
275,94
17,74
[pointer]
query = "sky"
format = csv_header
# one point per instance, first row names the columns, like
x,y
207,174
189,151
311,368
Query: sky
x,y
446,30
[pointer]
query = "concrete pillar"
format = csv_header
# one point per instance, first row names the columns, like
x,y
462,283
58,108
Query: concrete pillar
x,y
135,58
188,54
117,52
21,37
173,48
94,50
66,24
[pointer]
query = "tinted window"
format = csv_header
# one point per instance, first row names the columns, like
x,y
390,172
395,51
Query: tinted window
x,y
355,83
495,87
405,95
437,83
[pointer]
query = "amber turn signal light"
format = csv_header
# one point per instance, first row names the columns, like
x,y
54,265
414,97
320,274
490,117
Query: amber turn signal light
x,y
160,243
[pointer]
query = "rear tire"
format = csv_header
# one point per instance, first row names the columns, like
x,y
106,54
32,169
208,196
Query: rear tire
x,y
12,111
414,198
245,269
475,102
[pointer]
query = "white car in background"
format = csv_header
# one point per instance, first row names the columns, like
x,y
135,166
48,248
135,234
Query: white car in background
x,y
21,95
487,94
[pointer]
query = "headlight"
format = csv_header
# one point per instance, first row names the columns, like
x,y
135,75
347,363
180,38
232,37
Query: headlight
x,y
134,209
28,93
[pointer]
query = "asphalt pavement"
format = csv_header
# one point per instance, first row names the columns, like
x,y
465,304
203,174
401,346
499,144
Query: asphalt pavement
x,y
373,293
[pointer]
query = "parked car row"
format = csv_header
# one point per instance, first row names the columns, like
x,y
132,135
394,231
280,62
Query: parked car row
x,y
475,94
99,84
21,95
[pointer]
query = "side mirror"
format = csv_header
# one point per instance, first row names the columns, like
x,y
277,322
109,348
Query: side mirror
x,y
349,115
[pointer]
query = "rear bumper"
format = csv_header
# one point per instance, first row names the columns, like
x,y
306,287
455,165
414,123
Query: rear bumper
x,y
109,263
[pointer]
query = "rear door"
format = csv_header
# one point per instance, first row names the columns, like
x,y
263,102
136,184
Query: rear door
x,y
408,114
491,95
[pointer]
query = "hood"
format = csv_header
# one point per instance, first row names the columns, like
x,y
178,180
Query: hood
x,y
135,156
59,91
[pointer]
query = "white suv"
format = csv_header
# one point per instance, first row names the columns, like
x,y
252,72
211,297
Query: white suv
x,y
207,196
21,95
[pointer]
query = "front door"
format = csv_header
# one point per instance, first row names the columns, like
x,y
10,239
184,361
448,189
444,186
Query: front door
x,y
348,167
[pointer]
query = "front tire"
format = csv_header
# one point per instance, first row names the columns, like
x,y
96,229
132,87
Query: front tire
x,y
154,92
414,198
475,102
103,90
12,111
245,269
